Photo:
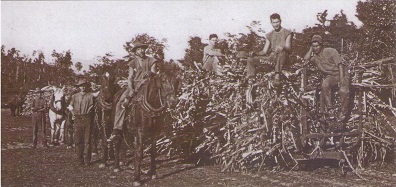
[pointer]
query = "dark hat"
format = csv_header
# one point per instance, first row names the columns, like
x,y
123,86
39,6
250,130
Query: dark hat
x,y
137,45
317,38
38,90
82,82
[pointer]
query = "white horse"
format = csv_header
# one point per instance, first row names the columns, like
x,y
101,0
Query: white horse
x,y
57,115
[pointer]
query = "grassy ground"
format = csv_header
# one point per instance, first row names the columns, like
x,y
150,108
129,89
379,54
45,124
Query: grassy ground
x,y
55,166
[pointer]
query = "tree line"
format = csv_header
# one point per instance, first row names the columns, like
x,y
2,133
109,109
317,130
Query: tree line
x,y
375,39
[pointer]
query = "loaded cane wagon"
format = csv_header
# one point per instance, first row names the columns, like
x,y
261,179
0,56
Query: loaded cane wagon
x,y
324,138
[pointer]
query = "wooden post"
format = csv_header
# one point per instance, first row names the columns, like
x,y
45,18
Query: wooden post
x,y
304,82
360,102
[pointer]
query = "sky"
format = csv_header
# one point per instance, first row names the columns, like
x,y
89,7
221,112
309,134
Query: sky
x,y
93,28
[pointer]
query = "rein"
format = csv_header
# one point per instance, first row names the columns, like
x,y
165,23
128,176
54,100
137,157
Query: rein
x,y
55,110
146,105
103,104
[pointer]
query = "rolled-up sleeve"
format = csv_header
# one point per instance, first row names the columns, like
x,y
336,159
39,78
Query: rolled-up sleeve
x,y
336,57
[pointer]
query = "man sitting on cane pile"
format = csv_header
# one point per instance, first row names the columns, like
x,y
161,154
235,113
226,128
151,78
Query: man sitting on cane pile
x,y
278,44
329,63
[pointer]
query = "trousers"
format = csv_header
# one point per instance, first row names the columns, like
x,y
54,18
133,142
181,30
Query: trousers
x,y
38,121
253,63
82,137
212,65
119,115
329,84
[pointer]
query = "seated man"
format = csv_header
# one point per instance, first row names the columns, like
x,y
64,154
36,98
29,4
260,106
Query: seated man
x,y
211,56
140,68
329,63
278,43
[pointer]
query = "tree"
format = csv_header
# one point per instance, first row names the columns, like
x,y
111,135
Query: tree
x,y
194,53
78,66
63,64
155,49
379,28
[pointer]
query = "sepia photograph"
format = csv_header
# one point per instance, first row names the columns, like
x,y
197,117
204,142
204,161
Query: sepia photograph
x,y
198,93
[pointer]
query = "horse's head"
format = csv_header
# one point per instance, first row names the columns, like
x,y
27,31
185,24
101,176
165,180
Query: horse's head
x,y
58,96
108,87
169,90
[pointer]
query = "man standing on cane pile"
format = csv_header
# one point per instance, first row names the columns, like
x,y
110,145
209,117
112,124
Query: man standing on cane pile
x,y
39,108
329,63
278,44
81,108
140,68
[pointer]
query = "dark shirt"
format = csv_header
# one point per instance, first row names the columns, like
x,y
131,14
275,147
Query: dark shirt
x,y
328,60
141,65
82,103
38,104
278,38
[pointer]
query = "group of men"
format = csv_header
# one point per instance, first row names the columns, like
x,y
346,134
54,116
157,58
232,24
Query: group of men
x,y
277,48
81,105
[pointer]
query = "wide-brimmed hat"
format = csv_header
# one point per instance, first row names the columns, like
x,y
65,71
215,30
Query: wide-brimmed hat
x,y
317,38
82,82
139,44
38,90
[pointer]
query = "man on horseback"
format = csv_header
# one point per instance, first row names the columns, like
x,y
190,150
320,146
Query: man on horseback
x,y
330,64
140,68
277,44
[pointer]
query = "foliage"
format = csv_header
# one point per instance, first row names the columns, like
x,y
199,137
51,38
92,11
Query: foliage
x,y
22,73
155,49
242,126
379,28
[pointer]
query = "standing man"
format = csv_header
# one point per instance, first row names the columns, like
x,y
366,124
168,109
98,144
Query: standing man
x,y
211,55
329,63
39,106
81,108
140,68
278,44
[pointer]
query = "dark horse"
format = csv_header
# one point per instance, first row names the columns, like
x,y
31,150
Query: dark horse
x,y
104,114
16,104
146,117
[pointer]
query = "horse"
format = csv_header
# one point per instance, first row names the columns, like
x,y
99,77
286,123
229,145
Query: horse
x,y
147,112
104,118
56,115
16,104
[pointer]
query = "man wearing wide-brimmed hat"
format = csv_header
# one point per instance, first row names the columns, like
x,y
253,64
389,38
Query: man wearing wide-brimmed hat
x,y
39,108
81,107
330,64
140,68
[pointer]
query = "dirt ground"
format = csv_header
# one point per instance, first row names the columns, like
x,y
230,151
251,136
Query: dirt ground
x,y
55,166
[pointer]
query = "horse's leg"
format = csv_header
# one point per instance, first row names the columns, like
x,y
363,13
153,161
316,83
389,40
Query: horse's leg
x,y
138,144
122,152
52,122
95,138
104,143
57,131
153,169
62,131
12,109
117,146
